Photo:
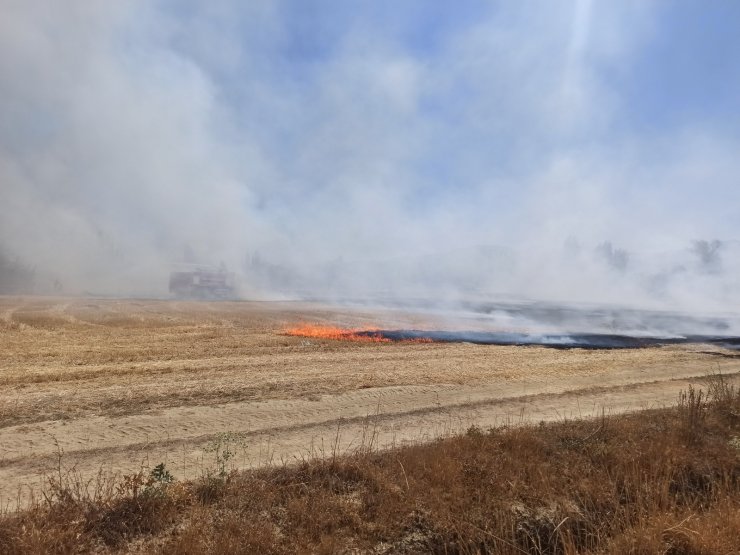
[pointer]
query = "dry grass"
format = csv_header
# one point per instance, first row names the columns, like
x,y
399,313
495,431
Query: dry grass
x,y
72,358
663,481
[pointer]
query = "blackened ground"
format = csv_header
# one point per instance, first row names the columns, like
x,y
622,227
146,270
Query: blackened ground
x,y
582,318
556,341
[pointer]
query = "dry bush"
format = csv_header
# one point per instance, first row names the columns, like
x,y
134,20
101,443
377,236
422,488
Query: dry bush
x,y
692,408
103,513
663,481
725,398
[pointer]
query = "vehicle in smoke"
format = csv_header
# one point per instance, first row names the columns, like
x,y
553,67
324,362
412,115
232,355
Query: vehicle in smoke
x,y
198,281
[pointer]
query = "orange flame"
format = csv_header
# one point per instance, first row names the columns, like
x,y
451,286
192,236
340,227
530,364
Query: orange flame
x,y
369,335
318,331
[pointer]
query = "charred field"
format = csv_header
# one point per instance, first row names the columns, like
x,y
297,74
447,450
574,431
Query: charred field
x,y
305,427
503,338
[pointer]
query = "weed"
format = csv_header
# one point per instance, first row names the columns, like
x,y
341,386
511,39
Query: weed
x,y
161,476
725,397
692,405
225,447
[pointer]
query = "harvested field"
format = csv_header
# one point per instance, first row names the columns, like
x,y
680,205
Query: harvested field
x,y
120,384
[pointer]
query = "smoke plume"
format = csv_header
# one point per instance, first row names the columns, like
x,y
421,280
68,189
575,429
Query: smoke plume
x,y
476,151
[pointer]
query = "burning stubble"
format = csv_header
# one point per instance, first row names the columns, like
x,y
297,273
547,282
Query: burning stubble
x,y
504,338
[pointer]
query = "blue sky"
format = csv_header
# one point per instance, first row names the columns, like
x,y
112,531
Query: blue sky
x,y
687,71
316,130
486,74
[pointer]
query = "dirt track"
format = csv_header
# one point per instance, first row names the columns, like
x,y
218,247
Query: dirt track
x,y
115,385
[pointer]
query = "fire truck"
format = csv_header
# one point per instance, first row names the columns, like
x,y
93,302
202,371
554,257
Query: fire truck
x,y
198,281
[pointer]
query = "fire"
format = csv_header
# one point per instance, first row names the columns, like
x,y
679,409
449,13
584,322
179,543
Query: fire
x,y
318,331
368,335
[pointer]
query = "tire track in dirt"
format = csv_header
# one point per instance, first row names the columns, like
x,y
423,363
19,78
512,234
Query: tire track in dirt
x,y
280,431
192,421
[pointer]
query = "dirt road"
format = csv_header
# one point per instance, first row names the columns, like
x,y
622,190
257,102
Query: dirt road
x,y
116,385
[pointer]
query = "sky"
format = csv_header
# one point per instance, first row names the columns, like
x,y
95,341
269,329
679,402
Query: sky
x,y
568,150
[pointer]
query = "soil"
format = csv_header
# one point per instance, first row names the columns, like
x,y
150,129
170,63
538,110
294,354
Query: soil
x,y
113,386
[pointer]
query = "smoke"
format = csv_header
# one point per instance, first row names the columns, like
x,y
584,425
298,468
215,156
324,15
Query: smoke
x,y
475,151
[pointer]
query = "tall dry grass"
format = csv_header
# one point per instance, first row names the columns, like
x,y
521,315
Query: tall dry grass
x,y
663,481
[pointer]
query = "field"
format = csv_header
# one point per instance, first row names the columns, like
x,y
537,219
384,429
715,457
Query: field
x,y
117,385
114,386
659,481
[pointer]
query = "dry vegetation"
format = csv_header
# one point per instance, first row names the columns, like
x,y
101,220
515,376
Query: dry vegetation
x,y
106,381
664,481
74,358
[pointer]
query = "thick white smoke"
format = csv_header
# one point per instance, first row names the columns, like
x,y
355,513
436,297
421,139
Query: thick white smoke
x,y
379,151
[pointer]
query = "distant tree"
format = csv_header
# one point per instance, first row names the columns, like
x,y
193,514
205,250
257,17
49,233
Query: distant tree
x,y
708,253
614,257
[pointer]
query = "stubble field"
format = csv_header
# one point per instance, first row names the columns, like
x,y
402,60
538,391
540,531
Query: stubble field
x,y
103,385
